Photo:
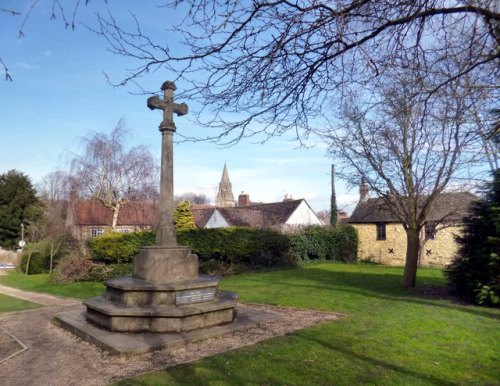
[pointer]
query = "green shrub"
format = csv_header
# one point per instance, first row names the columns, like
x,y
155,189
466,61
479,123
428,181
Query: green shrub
x,y
116,248
183,217
233,248
474,274
325,243
40,257
345,244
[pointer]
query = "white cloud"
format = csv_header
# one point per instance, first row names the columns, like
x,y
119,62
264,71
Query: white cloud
x,y
27,66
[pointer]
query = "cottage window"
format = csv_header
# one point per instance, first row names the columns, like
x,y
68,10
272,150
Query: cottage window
x,y
94,232
430,231
381,231
123,230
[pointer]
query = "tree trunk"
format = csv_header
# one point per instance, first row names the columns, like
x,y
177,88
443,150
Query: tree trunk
x,y
412,248
115,209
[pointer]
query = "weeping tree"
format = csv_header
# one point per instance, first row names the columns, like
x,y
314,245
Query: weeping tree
x,y
112,174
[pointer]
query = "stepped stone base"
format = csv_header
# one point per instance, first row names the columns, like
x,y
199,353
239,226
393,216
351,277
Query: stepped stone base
x,y
131,343
164,295
118,317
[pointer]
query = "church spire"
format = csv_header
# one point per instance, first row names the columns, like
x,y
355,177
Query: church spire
x,y
225,196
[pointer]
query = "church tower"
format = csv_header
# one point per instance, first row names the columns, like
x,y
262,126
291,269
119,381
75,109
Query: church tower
x,y
225,196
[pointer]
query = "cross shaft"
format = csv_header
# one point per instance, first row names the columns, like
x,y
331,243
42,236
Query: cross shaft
x,y
165,233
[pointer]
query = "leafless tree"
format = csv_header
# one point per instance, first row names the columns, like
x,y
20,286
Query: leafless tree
x,y
193,198
55,186
65,11
113,175
270,67
407,148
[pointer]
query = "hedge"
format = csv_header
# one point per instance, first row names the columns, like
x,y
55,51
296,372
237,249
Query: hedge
x,y
40,257
117,248
243,247
238,248
326,243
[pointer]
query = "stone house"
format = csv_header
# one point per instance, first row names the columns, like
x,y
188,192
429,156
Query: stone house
x,y
88,219
382,238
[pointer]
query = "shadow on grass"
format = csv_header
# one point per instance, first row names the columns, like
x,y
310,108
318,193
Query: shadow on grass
x,y
384,286
380,363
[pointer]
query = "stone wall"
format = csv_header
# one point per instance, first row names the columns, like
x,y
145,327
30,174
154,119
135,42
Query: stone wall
x,y
10,257
392,251
84,232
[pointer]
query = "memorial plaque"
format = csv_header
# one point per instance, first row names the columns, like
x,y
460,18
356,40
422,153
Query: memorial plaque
x,y
194,296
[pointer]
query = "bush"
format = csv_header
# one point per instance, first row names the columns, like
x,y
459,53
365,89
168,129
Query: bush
x,y
116,248
475,273
235,248
74,266
40,257
102,272
326,243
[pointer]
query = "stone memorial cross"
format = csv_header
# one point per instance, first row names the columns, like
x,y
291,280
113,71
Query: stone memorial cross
x,y
165,233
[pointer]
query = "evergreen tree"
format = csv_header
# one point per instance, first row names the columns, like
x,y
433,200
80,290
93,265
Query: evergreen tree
x,y
475,273
183,217
333,201
18,204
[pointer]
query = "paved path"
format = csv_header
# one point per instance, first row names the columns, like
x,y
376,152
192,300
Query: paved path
x,y
55,357
34,297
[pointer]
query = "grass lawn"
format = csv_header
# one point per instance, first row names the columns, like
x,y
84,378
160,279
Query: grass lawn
x,y
8,304
391,336
41,283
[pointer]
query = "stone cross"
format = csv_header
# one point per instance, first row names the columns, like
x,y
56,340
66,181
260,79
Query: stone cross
x,y
165,233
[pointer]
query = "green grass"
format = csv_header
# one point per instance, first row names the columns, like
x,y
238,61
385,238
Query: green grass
x,y
391,336
9,304
41,283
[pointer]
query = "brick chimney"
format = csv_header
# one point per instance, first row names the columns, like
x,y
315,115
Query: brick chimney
x,y
243,199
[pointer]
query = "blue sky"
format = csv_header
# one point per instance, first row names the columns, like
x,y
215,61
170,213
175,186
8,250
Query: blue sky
x,y
59,94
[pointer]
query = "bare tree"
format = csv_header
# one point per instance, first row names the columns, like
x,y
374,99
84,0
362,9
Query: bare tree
x,y
55,186
66,12
268,67
113,175
408,149
193,198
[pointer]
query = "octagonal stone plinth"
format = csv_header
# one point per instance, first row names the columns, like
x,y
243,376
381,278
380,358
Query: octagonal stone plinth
x,y
121,318
130,291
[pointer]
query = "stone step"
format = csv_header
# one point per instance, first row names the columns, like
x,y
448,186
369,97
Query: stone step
x,y
223,300
117,317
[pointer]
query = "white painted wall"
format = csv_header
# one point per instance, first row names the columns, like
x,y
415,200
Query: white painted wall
x,y
304,215
216,221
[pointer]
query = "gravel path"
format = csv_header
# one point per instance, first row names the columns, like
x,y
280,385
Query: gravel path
x,y
56,357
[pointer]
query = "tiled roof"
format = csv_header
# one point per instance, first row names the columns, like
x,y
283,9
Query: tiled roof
x,y
254,215
93,213
448,206
201,214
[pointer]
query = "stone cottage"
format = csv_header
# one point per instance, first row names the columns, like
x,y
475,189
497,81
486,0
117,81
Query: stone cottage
x,y
88,219
382,238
